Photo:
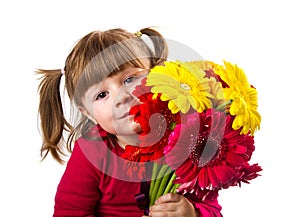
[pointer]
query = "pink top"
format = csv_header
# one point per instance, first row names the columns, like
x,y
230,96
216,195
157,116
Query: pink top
x,y
86,189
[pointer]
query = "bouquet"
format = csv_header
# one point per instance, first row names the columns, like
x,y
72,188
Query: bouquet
x,y
200,118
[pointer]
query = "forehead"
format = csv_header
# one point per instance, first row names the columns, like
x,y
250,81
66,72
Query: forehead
x,y
95,73
100,60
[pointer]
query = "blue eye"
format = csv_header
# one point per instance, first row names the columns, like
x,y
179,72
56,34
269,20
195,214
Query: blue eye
x,y
129,80
102,95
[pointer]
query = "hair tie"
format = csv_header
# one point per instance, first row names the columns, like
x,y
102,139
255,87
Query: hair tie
x,y
138,34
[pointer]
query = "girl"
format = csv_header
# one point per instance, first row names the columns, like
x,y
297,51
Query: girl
x,y
100,73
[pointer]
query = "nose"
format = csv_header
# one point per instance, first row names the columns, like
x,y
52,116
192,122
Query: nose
x,y
124,96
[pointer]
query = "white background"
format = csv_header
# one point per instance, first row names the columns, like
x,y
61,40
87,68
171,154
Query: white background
x,y
262,37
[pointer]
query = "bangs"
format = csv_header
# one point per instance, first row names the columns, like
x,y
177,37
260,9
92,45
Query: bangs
x,y
111,60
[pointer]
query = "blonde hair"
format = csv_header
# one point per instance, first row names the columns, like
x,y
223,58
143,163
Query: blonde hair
x,y
93,58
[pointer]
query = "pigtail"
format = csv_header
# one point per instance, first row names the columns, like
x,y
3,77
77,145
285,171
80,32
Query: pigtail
x,y
160,45
53,122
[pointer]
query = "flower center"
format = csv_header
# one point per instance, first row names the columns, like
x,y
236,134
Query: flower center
x,y
185,86
205,151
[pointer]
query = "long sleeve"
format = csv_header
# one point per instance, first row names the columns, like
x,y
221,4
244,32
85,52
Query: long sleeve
x,y
78,191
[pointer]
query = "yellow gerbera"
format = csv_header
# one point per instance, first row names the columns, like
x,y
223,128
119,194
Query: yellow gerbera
x,y
198,65
218,100
181,87
243,97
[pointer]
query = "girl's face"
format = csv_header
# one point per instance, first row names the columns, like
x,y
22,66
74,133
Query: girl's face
x,y
108,103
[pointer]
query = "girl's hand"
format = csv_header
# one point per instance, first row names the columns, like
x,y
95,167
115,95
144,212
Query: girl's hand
x,y
170,205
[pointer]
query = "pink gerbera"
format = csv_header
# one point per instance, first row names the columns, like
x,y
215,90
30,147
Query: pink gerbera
x,y
207,154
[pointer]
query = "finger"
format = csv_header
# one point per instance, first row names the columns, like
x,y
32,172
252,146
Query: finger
x,y
167,198
163,214
163,207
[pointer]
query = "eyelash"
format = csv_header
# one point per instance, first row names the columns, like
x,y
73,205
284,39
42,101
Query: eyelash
x,y
132,78
126,81
101,93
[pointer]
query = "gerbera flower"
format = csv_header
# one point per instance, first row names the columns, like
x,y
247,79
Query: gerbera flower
x,y
156,121
199,65
152,110
207,154
215,83
243,96
207,66
182,88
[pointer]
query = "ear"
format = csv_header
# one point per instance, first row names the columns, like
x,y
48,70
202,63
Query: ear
x,y
87,114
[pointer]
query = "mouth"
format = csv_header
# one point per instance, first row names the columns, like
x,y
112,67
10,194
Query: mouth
x,y
124,116
130,113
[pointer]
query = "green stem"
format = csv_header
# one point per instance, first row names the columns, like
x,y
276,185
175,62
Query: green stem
x,y
174,187
164,183
170,184
156,182
153,177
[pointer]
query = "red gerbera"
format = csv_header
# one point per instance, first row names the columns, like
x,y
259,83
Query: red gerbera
x,y
207,154
152,113
156,122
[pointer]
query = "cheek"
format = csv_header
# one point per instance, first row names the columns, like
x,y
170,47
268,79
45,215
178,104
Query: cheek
x,y
105,120
102,117
102,112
